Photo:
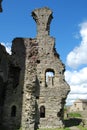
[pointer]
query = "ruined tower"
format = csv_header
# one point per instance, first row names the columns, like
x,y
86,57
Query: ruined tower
x,y
53,88
36,89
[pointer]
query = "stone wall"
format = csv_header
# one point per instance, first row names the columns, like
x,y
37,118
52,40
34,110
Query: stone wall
x,y
29,97
51,95
79,105
4,63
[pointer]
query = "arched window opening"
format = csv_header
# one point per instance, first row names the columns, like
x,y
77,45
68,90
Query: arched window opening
x,y
13,111
42,112
49,77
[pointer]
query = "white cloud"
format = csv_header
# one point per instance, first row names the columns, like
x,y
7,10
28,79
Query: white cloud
x,y
78,56
7,46
77,79
76,96
78,84
72,97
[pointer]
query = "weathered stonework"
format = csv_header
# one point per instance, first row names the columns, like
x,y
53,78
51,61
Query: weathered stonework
x,y
0,6
36,89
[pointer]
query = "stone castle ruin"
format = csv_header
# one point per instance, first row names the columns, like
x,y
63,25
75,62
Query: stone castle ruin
x,y
33,89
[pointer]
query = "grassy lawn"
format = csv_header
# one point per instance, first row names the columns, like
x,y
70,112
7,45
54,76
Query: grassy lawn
x,y
52,129
74,114
55,129
82,128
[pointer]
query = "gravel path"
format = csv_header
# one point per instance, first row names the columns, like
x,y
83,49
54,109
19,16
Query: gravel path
x,y
74,128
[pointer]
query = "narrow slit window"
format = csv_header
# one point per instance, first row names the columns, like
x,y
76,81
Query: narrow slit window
x,y
42,112
13,111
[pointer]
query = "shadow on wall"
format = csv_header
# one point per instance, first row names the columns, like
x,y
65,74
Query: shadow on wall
x,y
1,98
1,6
72,122
37,94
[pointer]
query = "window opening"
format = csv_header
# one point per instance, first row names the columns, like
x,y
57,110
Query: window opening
x,y
13,111
49,77
75,104
37,97
42,112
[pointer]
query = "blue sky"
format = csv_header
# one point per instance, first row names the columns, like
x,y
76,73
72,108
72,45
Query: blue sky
x,y
69,27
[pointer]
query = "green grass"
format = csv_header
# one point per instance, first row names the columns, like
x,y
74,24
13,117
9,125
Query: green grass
x,y
19,129
82,128
74,114
52,129
55,129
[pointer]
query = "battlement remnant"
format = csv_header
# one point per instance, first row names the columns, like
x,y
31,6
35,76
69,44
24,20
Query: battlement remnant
x,y
43,17
34,89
